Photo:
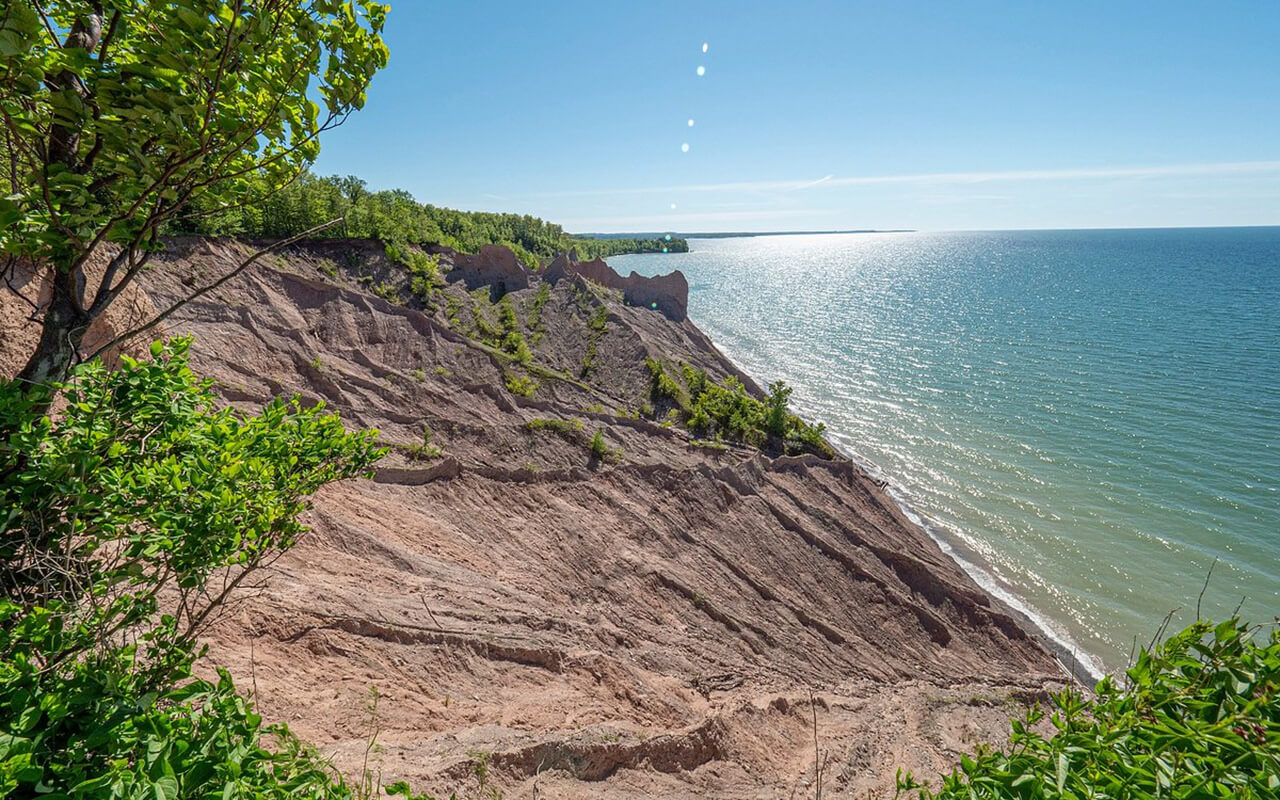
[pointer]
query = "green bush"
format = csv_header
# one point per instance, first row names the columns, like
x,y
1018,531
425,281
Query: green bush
x,y
512,342
662,386
423,269
727,411
588,359
570,429
507,315
521,385
1198,718
599,320
598,447
536,323
118,512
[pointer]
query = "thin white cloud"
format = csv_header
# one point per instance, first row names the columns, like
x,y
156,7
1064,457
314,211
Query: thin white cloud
x,y
942,178
811,184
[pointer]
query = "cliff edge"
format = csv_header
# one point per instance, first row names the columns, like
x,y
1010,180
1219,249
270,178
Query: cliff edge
x,y
544,615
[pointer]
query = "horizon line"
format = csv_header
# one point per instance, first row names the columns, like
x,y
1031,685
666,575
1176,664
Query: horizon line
x,y
857,232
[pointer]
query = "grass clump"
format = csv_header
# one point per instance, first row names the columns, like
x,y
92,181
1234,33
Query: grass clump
x,y
570,429
424,450
1199,717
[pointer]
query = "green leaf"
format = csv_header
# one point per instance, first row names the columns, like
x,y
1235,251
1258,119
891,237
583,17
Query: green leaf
x,y
165,788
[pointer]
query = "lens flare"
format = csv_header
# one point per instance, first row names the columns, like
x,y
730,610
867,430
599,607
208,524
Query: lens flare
x,y
673,205
684,148
690,122
673,208
701,70
704,47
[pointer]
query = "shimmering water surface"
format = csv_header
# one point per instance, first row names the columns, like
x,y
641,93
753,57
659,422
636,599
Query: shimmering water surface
x,y
1087,419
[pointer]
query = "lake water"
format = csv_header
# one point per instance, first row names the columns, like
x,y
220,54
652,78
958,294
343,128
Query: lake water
x,y
1086,419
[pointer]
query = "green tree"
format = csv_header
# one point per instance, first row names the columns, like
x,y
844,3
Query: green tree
x,y
119,114
777,417
117,514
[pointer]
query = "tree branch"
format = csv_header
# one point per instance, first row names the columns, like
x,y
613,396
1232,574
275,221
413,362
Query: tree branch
x,y
10,267
201,292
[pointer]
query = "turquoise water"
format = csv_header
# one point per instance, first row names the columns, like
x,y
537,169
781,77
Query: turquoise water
x,y
1086,419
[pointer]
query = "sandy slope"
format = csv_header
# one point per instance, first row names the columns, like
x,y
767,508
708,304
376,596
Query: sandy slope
x,y
544,624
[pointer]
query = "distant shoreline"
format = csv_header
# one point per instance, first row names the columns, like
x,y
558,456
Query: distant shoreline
x,y
732,235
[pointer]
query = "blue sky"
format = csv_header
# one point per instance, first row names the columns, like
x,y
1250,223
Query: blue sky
x,y
829,115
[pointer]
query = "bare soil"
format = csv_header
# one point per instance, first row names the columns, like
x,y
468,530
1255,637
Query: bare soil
x,y
678,620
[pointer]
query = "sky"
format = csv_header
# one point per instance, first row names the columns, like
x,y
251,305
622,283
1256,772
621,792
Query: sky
x,y
947,115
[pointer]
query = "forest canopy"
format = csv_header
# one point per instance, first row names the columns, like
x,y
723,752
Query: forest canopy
x,y
394,216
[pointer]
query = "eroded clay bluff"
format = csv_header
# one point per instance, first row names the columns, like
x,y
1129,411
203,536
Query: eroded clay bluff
x,y
542,623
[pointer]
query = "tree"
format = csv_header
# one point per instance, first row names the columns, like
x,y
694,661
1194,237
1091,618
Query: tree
x,y
118,114
129,518
777,417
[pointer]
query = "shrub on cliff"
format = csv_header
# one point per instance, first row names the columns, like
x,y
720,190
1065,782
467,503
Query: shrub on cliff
x,y
1198,718
118,513
662,387
423,269
727,411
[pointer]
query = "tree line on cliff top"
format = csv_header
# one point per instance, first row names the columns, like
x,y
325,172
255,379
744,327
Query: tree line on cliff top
x,y
395,216
133,508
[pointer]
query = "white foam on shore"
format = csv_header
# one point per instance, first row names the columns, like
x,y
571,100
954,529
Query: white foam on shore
x,y
1070,655
989,584
1063,643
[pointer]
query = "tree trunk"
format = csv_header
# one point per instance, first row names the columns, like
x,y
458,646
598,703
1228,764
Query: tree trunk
x,y
65,321
60,336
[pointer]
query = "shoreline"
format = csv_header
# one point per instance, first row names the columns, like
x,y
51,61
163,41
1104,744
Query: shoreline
x,y
1076,663
1081,665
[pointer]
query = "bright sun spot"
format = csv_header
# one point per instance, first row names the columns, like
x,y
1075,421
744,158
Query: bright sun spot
x,y
701,70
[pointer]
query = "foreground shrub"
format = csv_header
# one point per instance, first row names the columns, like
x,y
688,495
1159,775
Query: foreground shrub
x,y
1198,718
128,520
